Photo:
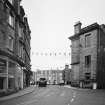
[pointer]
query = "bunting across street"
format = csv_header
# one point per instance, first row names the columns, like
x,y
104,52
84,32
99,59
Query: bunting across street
x,y
51,54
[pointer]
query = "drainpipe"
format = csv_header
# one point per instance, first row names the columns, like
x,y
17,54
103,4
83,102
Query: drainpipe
x,y
7,74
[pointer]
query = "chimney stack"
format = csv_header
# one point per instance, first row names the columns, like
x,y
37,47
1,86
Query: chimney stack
x,y
77,27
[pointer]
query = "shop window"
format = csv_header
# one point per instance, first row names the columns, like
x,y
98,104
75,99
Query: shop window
x,y
1,82
10,83
2,66
87,76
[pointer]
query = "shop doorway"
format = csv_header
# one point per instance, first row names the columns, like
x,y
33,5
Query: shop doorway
x,y
1,82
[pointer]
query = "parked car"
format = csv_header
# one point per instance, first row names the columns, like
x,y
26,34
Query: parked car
x,y
61,83
42,82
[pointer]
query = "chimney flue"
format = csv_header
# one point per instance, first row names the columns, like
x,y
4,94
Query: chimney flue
x,y
77,27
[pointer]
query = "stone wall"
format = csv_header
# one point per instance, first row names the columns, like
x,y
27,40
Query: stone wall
x,y
85,51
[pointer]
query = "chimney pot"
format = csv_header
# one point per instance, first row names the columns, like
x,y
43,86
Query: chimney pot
x,y
77,27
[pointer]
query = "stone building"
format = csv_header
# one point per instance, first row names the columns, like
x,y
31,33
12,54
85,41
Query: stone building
x,y
52,76
33,78
15,69
66,74
88,56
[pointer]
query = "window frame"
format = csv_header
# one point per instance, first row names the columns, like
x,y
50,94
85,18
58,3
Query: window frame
x,y
88,61
21,50
87,40
10,42
11,19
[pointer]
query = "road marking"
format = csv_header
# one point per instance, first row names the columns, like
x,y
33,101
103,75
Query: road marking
x,y
72,99
49,94
74,95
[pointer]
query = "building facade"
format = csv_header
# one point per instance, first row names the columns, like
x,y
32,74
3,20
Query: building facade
x,y
14,46
87,56
66,74
33,78
52,76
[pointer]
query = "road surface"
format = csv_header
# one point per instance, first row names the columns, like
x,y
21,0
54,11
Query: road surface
x,y
59,95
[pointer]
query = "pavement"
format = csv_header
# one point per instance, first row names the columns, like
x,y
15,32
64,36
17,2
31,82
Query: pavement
x,y
77,88
19,93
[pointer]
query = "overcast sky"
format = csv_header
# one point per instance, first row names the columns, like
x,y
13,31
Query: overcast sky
x,y
52,22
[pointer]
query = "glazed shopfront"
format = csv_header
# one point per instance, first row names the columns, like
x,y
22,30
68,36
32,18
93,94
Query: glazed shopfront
x,y
11,74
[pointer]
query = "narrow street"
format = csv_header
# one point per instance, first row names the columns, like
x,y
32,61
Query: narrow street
x,y
59,95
